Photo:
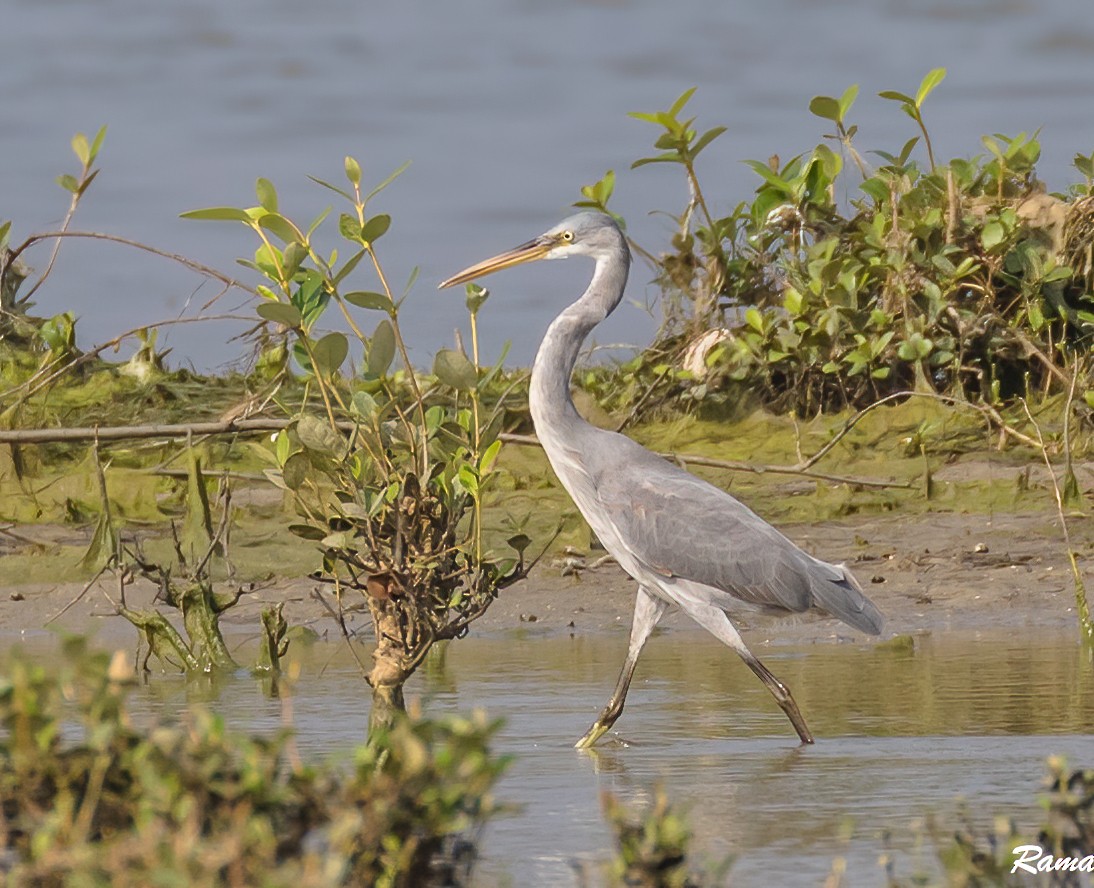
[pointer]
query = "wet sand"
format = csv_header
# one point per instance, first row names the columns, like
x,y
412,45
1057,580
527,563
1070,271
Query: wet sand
x,y
930,573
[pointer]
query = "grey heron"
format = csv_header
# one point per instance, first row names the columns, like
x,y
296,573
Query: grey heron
x,y
684,541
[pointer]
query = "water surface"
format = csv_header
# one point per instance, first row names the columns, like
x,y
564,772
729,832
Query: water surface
x,y
900,735
504,109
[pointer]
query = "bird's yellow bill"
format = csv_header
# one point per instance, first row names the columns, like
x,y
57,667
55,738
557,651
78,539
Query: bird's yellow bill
x,y
529,252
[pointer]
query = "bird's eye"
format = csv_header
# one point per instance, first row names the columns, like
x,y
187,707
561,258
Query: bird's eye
x,y
567,236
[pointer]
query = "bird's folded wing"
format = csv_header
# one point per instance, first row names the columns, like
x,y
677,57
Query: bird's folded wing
x,y
680,526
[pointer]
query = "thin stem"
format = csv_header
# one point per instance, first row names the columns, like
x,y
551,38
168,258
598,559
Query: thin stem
x,y
206,270
1086,624
418,446
926,138
73,203
476,437
303,337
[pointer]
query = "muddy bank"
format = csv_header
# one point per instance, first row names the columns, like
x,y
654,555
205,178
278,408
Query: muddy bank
x,y
928,573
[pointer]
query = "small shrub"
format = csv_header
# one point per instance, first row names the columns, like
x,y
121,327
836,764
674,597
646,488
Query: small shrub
x,y
87,799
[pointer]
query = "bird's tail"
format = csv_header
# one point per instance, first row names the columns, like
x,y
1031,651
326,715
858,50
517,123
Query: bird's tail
x,y
843,598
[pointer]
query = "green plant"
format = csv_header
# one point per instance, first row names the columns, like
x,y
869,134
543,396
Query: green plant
x,y
967,856
950,279
107,804
390,475
652,846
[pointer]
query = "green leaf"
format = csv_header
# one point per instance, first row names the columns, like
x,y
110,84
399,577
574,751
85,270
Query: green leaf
x,y
933,78
992,234
81,149
295,471
88,180
267,194
454,369
768,174
349,227
330,351
600,192
280,313
520,542
826,108
333,188
476,297
364,405
68,183
670,157
307,532
218,214
369,300
381,349
97,143
489,457
339,540
294,255
683,99
992,145
316,434
468,479
877,189
705,139
279,226
395,175
349,265
375,228
353,171
318,220
848,99
895,96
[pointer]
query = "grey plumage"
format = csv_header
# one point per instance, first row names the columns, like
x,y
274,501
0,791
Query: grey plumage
x,y
685,542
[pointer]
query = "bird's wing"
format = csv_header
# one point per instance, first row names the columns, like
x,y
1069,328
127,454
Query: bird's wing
x,y
678,525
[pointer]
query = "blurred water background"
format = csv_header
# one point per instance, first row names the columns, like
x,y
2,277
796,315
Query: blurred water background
x,y
504,110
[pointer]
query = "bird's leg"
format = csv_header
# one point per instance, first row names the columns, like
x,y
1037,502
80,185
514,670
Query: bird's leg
x,y
718,624
781,693
648,610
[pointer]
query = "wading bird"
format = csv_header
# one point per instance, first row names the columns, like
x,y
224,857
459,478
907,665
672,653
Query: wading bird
x,y
685,542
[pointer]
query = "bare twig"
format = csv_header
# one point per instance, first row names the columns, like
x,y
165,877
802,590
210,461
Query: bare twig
x,y
985,409
206,270
126,433
684,459
339,617
80,595
269,424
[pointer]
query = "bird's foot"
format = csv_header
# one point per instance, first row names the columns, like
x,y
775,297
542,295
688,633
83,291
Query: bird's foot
x,y
598,730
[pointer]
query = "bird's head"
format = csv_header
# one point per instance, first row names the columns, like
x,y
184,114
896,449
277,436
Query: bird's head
x,y
583,234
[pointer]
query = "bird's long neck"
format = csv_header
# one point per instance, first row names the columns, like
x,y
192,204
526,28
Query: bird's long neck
x,y
551,404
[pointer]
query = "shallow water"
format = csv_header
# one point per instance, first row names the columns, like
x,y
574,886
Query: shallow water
x,y
900,735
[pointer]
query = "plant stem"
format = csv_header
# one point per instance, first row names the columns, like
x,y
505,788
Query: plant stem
x,y
476,436
1082,606
419,446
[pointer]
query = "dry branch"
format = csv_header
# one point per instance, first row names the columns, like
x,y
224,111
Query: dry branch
x,y
262,424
